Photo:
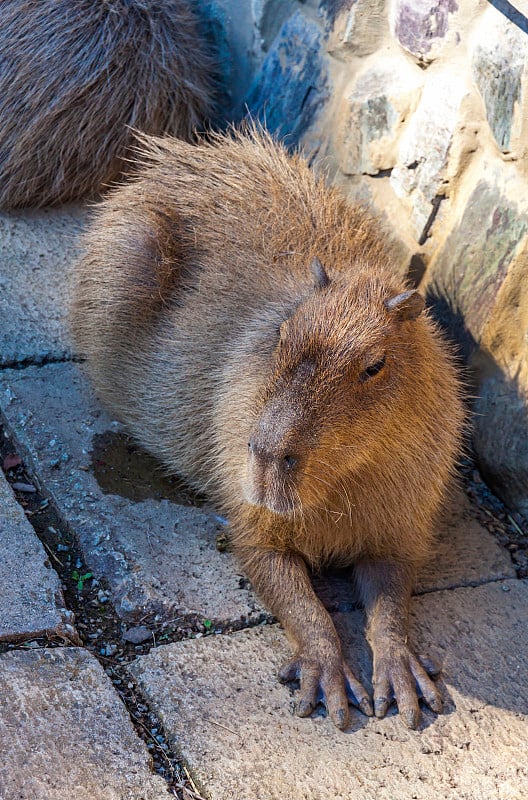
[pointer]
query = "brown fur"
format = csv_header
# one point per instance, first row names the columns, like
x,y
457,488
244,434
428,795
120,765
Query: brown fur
x,y
76,76
204,331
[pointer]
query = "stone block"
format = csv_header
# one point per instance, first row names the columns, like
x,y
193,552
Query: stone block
x,y
499,438
37,249
31,601
421,173
358,28
372,114
157,555
498,63
292,86
220,700
473,262
240,35
64,732
423,27
478,284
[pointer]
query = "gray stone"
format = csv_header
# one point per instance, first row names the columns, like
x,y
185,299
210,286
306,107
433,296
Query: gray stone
x,y
478,286
292,86
500,441
230,718
31,601
37,249
158,556
424,146
64,733
470,269
241,34
498,63
372,114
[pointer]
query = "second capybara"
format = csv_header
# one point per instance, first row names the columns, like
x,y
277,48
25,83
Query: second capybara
x,y
247,325
77,75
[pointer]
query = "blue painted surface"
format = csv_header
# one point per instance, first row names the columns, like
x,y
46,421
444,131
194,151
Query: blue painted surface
x,y
292,86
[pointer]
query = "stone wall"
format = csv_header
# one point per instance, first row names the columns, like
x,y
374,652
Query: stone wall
x,y
420,108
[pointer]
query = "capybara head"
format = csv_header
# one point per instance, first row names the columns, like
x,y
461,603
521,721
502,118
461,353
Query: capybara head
x,y
343,360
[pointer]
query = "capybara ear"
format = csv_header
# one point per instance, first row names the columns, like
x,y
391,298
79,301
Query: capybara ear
x,y
319,274
407,305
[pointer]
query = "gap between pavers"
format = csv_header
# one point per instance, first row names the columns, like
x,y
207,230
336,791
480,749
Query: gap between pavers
x,y
64,733
31,600
160,557
37,250
219,700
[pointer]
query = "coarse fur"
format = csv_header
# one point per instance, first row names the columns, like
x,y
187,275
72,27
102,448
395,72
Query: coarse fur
x,y
246,324
77,75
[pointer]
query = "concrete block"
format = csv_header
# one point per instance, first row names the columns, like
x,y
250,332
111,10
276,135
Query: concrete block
x,y
158,556
31,601
220,700
37,249
64,733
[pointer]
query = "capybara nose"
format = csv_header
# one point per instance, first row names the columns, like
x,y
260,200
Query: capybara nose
x,y
285,462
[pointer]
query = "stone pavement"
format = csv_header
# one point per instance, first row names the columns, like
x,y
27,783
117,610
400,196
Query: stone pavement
x,y
151,546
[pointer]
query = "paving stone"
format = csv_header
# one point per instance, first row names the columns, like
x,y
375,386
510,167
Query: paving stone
x,y
65,734
31,601
219,699
37,248
465,554
158,556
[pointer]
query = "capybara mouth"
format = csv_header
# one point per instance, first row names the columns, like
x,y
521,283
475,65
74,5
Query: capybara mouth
x,y
281,502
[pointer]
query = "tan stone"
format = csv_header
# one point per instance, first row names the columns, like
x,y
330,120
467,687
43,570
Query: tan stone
x,y
358,30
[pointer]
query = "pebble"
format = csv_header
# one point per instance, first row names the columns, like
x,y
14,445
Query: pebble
x,y
23,487
137,635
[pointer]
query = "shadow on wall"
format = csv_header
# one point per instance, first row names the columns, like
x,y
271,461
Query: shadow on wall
x,y
499,411
512,13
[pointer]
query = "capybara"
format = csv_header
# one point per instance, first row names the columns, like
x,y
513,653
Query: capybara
x,y
77,75
247,325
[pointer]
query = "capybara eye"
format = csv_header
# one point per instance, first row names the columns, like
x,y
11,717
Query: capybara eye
x,y
372,370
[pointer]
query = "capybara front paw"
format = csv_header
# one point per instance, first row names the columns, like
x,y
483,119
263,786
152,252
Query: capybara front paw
x,y
399,675
327,680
